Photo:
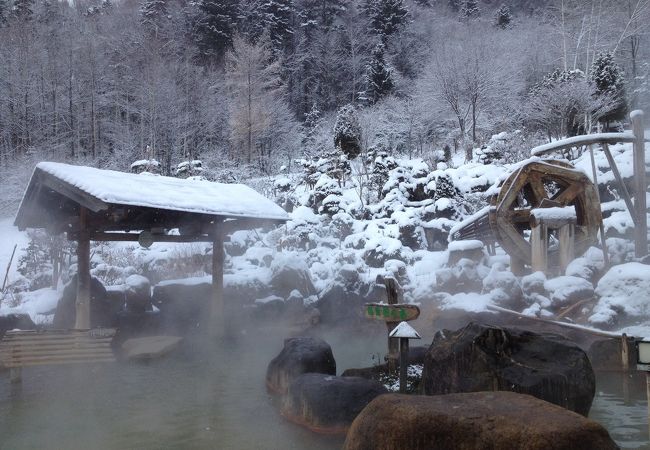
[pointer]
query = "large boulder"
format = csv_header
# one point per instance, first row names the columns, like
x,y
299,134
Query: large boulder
x,y
484,358
340,303
289,274
102,312
480,420
300,355
182,303
326,403
15,321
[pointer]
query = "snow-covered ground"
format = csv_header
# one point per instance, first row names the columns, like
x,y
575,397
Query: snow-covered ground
x,y
10,236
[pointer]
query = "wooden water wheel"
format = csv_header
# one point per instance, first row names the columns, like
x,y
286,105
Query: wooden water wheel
x,y
541,184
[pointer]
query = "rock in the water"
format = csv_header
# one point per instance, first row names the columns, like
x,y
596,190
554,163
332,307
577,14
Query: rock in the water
x,y
481,420
102,312
326,403
607,354
290,274
182,304
15,321
484,358
339,304
149,347
300,355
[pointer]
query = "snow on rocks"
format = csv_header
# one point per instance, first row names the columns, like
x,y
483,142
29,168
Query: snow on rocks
x,y
623,294
566,290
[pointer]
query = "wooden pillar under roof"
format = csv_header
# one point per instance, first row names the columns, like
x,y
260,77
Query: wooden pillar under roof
x,y
82,304
217,315
640,186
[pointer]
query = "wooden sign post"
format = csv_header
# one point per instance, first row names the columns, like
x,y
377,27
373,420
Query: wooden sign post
x,y
403,331
392,313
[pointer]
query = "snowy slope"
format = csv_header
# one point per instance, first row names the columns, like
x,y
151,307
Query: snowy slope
x,y
10,236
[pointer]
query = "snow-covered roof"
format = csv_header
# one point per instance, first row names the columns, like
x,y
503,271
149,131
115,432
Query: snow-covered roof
x,y
404,330
101,188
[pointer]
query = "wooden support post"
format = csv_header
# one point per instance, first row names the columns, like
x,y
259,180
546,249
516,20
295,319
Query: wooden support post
x,y
403,363
393,345
641,228
217,315
625,353
82,305
601,226
566,236
517,266
539,247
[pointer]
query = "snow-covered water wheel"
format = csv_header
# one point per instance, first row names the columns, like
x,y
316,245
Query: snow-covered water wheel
x,y
541,184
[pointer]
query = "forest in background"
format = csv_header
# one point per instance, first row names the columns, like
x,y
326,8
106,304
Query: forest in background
x,y
249,86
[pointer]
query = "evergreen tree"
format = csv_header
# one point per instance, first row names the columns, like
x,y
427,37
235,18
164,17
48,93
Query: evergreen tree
x,y
215,27
347,131
503,17
311,127
278,20
153,14
386,16
608,79
470,10
23,9
4,11
319,14
379,79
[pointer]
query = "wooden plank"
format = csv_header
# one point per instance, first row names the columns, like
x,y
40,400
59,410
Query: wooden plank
x,y
62,362
21,349
133,237
640,186
391,313
62,356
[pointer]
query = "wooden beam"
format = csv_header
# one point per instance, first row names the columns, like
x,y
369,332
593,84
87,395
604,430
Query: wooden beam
x,y
133,237
579,141
621,184
82,304
217,320
640,186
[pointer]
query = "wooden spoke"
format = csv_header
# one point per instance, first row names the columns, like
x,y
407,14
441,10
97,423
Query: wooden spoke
x,y
569,194
537,188
520,215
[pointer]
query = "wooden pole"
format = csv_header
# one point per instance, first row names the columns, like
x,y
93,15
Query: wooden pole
x,y
566,235
647,396
625,353
539,247
617,174
641,228
403,363
217,315
4,283
601,226
82,316
517,266
393,345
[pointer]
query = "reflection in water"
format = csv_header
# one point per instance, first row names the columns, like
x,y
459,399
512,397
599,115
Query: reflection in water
x,y
214,397
620,405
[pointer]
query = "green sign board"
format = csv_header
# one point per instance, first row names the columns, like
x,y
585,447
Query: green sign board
x,y
391,313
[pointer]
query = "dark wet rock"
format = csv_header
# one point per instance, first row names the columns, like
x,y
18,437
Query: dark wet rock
x,y
327,403
15,321
480,420
606,354
287,277
102,311
138,294
182,305
484,358
338,304
271,306
300,355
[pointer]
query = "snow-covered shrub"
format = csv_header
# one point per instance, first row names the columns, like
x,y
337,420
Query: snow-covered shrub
x,y
503,286
325,187
567,290
347,131
381,249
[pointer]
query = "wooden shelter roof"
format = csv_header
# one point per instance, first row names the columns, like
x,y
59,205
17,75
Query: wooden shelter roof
x,y
117,201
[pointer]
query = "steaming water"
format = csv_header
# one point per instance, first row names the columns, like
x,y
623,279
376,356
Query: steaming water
x,y
208,398
215,398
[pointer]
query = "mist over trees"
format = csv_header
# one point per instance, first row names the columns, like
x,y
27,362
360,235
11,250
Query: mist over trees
x,y
249,86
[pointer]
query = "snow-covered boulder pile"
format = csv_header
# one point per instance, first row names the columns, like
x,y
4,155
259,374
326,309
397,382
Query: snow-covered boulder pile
x,y
624,295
